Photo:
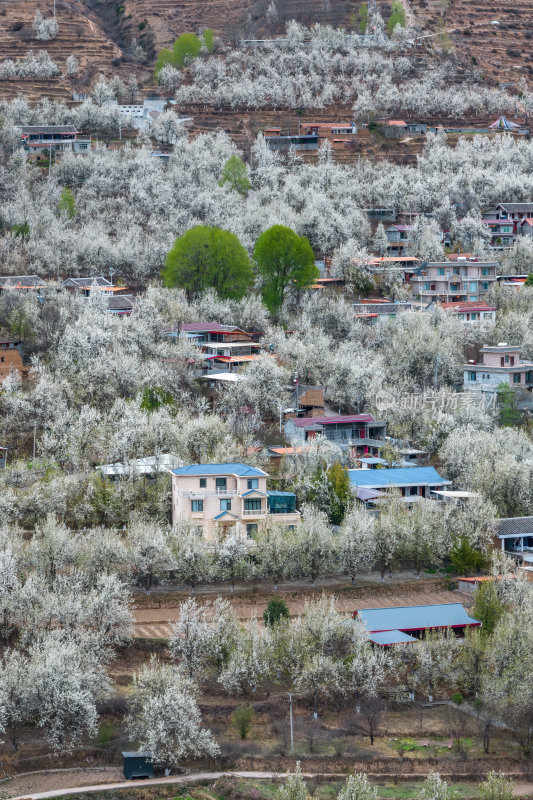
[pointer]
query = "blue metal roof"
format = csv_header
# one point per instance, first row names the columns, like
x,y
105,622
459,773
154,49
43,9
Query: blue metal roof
x,y
243,470
224,514
273,493
391,637
396,476
415,618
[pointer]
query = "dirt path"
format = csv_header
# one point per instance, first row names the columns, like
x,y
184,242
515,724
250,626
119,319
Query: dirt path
x,y
153,623
520,789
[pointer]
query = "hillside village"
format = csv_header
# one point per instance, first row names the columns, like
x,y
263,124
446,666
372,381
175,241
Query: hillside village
x,y
266,396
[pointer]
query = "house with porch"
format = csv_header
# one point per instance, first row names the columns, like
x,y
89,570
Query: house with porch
x,y
515,535
59,138
360,434
370,486
233,497
499,363
462,280
202,333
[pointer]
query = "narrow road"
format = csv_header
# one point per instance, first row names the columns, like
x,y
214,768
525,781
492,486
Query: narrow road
x,y
520,789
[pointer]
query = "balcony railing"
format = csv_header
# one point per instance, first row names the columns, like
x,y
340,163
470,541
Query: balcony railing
x,y
253,512
201,493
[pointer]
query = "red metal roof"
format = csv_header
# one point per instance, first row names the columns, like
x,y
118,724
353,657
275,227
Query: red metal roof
x,y
302,422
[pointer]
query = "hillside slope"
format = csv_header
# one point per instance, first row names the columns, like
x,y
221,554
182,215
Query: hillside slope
x,y
100,32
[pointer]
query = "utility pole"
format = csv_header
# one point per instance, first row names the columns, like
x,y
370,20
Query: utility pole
x,y
34,437
280,413
290,722
54,9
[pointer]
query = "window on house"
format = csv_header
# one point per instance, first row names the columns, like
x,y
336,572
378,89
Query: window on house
x,y
441,271
456,271
516,377
473,317
413,491
471,376
197,505
506,359
225,505
203,483
529,376
512,361
485,271
251,530
426,287
485,286
473,286
253,483
252,505
221,483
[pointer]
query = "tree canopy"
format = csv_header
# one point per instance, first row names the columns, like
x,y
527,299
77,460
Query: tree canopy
x,y
208,257
236,174
284,260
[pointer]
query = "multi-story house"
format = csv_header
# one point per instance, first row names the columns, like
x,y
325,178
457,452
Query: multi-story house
x,y
223,498
465,279
514,211
398,236
499,364
503,232
202,333
360,434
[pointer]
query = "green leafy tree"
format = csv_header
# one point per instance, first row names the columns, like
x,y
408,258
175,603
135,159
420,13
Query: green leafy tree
x,y
529,279
275,611
363,17
397,16
187,46
242,719
340,492
509,413
21,229
164,58
283,260
236,174
153,397
488,607
67,203
208,257
466,559
208,37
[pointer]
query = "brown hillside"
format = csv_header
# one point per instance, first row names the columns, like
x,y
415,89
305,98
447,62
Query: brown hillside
x,y
503,51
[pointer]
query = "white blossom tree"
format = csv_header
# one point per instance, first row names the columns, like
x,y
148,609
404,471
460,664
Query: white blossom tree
x,y
164,717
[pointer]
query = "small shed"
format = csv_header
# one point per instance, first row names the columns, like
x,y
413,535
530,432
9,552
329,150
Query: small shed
x,y
137,764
